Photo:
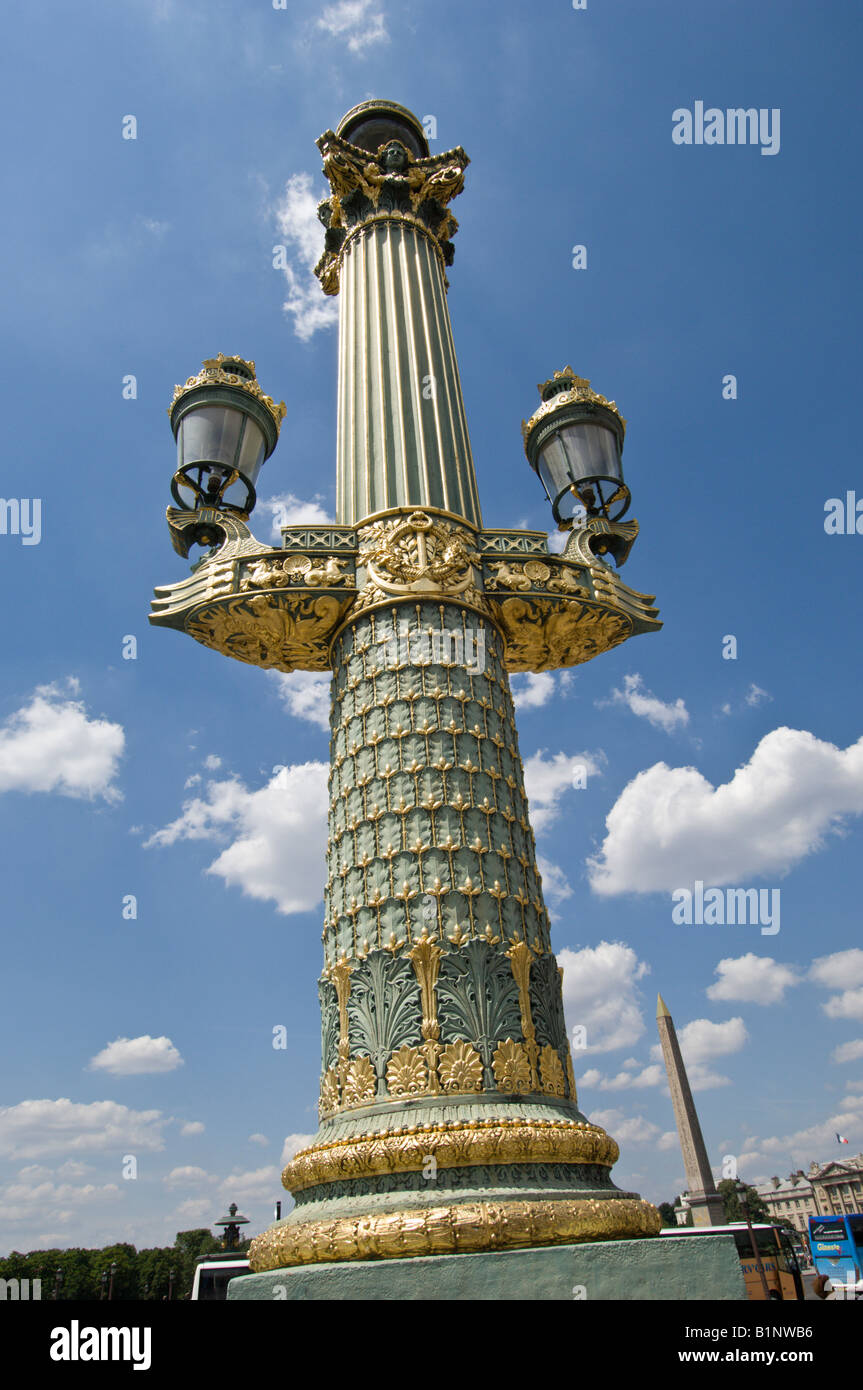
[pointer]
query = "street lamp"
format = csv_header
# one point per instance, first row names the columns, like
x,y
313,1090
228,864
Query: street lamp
x,y
225,428
574,442
170,1284
376,123
58,1279
740,1189
231,1224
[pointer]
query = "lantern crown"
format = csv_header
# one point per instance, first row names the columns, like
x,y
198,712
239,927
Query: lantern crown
x,y
230,371
567,388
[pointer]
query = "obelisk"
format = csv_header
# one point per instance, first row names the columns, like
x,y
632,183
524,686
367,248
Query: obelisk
x,y
704,1201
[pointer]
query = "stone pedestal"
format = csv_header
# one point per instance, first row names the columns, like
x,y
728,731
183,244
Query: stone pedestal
x,y
663,1268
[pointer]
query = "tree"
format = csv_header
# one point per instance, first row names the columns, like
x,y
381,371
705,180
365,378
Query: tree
x,y
666,1211
727,1190
189,1247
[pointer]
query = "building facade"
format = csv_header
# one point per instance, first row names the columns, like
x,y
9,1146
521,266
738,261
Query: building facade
x,y
827,1189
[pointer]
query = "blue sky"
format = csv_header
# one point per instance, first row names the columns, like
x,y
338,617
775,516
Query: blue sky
x,y
153,777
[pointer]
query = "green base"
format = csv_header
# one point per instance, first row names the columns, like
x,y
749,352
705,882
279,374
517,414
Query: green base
x,y
667,1268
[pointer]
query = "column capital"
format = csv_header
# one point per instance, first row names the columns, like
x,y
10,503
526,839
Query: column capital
x,y
392,185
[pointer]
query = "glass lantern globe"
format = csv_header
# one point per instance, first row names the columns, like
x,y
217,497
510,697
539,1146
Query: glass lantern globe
x,y
574,443
225,428
376,123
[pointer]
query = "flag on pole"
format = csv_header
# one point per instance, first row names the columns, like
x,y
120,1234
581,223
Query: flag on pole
x,y
841,1139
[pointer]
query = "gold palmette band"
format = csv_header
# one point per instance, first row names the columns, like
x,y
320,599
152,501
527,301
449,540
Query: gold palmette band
x,y
459,1144
459,1229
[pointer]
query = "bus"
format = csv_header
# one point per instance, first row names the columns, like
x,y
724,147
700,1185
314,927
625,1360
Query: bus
x,y
836,1243
774,1245
212,1276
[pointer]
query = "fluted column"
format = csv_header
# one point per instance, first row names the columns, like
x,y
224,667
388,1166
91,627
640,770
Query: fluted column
x,y
402,432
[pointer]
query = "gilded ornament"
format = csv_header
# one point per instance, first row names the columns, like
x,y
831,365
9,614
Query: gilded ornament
x,y
573,389
463,1228
407,1073
216,371
461,1144
329,1093
460,1068
359,1087
511,1067
551,1072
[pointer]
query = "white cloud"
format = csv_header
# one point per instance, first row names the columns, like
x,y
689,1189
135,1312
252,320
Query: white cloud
x,y
557,541
532,689
848,1051
50,745
631,1077
358,22
841,970
189,1176
37,1127
34,1197
659,713
280,834
848,1004
819,1139
670,826
755,695
701,1041
192,1127
259,1139
547,779
142,1056
592,1077
255,1185
633,1129
212,762
287,510
599,994
555,887
303,237
306,695
293,1144
752,979
196,1209
668,1140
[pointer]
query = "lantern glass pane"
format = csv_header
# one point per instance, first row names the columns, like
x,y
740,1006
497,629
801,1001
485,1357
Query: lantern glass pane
x,y
252,449
591,452
210,434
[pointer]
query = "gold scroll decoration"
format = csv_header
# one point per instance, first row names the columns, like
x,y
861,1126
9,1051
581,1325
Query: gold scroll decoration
x,y
463,1143
458,1228
280,630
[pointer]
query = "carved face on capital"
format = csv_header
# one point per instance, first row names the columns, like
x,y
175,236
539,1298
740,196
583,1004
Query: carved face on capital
x,y
394,159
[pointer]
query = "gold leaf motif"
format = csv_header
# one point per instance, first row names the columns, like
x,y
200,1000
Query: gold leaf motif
x,y
511,1067
460,1068
551,1072
407,1073
359,1082
329,1101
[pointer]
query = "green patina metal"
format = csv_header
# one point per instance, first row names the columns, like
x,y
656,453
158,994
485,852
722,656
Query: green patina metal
x,y
667,1270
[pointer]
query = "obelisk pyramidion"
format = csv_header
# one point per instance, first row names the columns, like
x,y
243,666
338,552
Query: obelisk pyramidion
x,y
704,1201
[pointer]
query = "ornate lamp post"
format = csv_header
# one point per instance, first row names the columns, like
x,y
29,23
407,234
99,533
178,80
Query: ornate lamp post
x,y
232,1222
449,1116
